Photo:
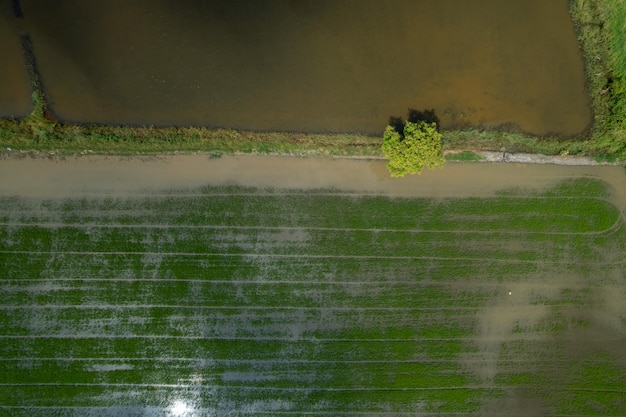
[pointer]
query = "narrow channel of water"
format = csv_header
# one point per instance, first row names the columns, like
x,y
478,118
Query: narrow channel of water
x,y
310,65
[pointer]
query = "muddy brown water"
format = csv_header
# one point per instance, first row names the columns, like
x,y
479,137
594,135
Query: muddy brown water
x,y
311,65
15,84
128,176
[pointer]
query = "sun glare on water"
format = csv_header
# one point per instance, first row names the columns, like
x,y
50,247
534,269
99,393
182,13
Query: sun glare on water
x,y
181,409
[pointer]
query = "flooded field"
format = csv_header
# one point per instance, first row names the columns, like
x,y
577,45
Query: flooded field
x,y
307,66
14,80
196,287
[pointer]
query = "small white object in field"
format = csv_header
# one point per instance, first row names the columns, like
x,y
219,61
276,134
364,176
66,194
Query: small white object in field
x,y
9,149
509,292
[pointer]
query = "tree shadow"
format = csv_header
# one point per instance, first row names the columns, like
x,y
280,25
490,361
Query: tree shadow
x,y
398,124
428,116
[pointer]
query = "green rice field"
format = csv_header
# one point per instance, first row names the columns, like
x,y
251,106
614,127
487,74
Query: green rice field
x,y
238,301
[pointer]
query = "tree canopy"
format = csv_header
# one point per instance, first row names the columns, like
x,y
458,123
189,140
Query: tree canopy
x,y
417,147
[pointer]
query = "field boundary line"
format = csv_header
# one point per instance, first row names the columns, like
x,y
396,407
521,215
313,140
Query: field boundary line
x,y
229,307
52,225
457,283
241,387
204,410
306,256
322,193
540,336
305,389
14,285
269,362
237,339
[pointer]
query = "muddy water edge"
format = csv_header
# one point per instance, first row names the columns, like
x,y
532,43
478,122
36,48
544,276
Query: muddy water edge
x,y
313,66
124,176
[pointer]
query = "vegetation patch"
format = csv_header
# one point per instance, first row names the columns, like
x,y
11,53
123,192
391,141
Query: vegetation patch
x,y
238,301
601,33
411,149
464,156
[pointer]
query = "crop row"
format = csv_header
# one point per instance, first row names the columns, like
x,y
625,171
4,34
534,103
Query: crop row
x,y
541,213
205,267
242,301
281,242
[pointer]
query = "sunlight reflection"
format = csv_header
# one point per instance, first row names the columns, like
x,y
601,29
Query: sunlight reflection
x,y
181,409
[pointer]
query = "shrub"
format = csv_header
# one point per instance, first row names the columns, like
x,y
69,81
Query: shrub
x,y
417,147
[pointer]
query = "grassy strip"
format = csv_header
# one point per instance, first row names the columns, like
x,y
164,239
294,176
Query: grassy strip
x,y
464,156
602,35
36,132
39,132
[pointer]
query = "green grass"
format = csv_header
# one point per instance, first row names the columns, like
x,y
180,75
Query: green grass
x,y
464,156
39,132
319,301
600,30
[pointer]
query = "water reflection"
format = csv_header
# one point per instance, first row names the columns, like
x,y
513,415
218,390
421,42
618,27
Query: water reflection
x,y
181,408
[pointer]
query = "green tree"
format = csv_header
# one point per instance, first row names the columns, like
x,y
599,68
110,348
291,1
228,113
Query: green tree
x,y
417,147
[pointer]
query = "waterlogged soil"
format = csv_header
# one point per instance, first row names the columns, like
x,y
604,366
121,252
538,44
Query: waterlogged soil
x,y
333,66
62,177
511,332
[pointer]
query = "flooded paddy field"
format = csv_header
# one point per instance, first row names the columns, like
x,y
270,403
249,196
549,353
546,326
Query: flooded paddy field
x,y
261,297
15,85
309,66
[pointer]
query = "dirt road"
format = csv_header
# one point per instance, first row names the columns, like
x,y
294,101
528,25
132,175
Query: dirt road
x,y
101,175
